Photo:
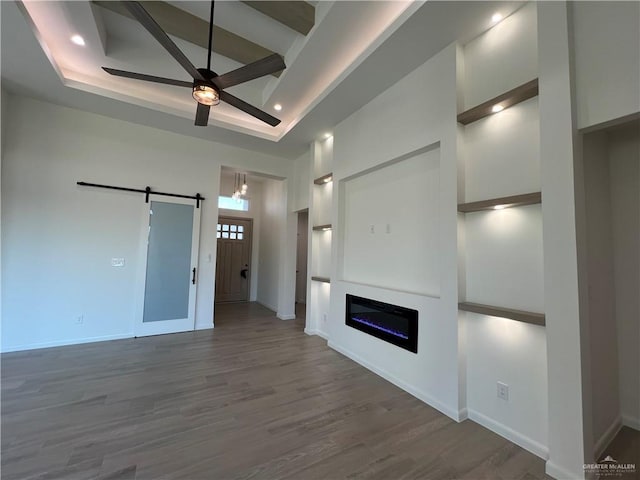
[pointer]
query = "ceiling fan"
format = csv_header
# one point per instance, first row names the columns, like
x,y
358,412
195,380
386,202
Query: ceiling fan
x,y
207,86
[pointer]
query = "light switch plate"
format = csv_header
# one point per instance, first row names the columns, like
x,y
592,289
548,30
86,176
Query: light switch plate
x,y
117,262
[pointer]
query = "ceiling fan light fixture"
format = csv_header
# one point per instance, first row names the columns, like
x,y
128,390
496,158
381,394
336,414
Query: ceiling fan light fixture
x,y
206,95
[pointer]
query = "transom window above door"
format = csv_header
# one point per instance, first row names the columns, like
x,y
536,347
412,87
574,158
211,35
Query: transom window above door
x,y
230,231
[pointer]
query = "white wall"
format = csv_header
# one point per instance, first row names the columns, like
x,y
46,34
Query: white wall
x,y
58,238
624,157
502,58
271,232
287,266
566,435
322,157
391,225
606,36
503,151
418,113
301,180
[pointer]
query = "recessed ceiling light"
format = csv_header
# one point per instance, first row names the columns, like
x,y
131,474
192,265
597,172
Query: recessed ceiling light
x,y
277,107
497,108
327,135
78,40
496,17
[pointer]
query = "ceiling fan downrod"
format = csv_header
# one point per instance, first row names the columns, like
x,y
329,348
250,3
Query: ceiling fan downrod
x,y
210,36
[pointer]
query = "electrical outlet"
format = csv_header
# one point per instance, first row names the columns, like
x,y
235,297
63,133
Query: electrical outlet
x,y
79,319
503,391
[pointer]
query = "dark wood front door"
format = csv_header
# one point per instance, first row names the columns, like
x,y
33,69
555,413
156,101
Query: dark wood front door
x,y
233,260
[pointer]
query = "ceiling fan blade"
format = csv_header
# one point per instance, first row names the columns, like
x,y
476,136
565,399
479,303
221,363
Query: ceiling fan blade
x,y
147,78
202,115
260,68
154,29
250,109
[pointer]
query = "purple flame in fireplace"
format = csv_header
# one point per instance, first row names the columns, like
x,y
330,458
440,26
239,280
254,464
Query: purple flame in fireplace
x,y
380,327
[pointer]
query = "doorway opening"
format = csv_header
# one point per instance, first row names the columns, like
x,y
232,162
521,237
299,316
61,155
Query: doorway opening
x,y
302,247
609,249
233,272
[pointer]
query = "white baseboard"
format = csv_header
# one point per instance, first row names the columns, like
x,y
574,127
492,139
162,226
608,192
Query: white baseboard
x,y
631,422
516,437
556,471
204,326
419,394
311,331
62,343
291,316
606,438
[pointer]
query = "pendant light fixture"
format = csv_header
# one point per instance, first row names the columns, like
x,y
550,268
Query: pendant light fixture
x,y
240,186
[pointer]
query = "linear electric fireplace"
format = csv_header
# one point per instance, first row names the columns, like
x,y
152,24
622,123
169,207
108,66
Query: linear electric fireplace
x,y
391,323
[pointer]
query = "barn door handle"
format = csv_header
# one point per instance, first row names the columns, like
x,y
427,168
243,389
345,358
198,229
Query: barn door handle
x,y
193,278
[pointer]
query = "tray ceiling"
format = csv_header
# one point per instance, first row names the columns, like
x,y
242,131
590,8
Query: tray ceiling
x,y
353,52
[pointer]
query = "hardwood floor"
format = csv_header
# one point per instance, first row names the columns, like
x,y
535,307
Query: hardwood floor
x,y
625,449
255,398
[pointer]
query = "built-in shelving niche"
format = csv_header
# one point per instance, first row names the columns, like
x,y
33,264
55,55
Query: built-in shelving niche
x,y
321,279
518,315
506,100
491,204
